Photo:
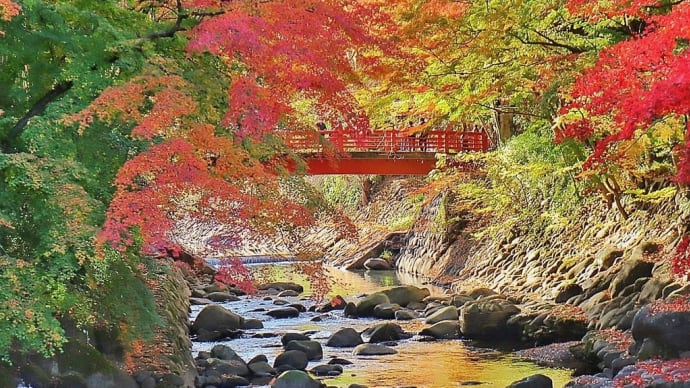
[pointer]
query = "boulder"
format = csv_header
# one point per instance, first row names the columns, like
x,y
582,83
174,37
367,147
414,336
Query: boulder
x,y
282,313
385,310
295,379
487,318
252,323
384,332
311,348
481,292
449,313
632,270
327,370
222,297
287,293
350,310
662,330
216,287
293,359
344,338
377,264
287,337
568,291
365,307
338,302
406,315
404,295
261,369
443,330
535,381
373,350
200,301
226,367
282,286
340,361
216,318
459,300
224,352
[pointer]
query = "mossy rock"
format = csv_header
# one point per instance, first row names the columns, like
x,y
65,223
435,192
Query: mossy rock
x,y
78,365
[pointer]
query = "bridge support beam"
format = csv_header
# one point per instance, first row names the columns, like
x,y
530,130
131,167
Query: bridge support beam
x,y
369,165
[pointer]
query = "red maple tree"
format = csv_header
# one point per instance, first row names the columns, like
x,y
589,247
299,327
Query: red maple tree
x,y
274,53
635,84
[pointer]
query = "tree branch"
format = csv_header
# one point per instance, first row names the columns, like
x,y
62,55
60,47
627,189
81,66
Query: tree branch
x,y
548,42
58,90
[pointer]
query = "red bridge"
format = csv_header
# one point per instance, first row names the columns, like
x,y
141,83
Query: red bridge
x,y
388,152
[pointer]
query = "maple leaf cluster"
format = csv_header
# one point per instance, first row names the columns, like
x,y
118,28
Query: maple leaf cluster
x,y
275,52
633,84
597,10
9,9
288,50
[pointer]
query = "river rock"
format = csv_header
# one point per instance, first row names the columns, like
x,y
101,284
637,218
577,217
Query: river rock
x,y
295,379
336,303
443,330
227,367
481,292
311,348
373,350
198,293
340,361
327,370
261,369
406,315
385,310
236,290
486,318
568,291
377,264
291,359
365,307
216,318
224,352
287,337
459,300
282,286
384,332
350,310
449,313
287,293
404,295
661,332
252,324
215,287
282,313
535,381
632,270
345,338
200,301
222,297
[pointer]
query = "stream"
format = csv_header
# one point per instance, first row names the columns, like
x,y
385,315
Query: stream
x,y
438,364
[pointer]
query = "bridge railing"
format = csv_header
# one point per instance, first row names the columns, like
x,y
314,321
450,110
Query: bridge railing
x,y
386,141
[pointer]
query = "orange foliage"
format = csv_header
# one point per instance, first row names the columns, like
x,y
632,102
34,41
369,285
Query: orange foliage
x,y
168,105
8,10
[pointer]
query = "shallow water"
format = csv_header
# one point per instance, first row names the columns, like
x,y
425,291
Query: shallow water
x,y
437,364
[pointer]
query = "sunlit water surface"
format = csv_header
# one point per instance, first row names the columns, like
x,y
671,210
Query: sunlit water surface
x,y
439,364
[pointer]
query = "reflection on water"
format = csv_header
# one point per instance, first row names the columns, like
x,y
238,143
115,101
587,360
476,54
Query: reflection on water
x,y
437,364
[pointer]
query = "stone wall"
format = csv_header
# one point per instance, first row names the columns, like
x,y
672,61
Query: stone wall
x,y
601,262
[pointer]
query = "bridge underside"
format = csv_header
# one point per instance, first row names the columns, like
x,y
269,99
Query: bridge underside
x,y
372,163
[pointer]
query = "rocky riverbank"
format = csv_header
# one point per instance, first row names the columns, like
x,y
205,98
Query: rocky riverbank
x,y
388,319
594,277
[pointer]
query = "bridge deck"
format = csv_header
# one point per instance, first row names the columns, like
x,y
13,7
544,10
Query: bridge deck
x,y
381,152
